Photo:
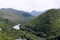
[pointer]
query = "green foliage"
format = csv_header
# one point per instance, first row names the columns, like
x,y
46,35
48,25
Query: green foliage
x,y
4,36
47,25
8,33
44,27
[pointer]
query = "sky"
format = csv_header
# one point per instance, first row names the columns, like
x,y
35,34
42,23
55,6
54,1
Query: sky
x,y
29,5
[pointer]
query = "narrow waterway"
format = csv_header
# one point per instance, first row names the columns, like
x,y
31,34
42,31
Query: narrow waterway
x,y
17,27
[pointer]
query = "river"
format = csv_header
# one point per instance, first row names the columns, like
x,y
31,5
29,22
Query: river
x,y
17,27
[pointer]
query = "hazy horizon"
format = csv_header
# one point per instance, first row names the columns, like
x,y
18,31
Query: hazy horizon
x,y
30,5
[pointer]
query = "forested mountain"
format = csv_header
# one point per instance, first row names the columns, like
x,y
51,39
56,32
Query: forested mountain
x,y
16,15
44,27
47,25
5,29
8,33
7,21
10,17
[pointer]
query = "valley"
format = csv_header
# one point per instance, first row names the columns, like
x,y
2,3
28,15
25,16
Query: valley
x,y
46,26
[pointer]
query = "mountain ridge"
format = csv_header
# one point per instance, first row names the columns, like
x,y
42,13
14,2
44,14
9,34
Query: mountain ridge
x,y
46,25
13,14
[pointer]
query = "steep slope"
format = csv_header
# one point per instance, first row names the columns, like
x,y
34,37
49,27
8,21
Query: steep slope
x,y
8,33
5,25
47,25
16,15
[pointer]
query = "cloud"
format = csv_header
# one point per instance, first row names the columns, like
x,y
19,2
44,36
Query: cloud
x,y
29,5
42,4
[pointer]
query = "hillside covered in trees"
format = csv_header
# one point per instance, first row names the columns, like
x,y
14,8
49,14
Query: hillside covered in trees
x,y
8,33
47,25
44,27
8,20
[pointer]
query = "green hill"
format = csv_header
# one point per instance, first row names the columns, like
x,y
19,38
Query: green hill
x,y
8,33
15,15
44,27
6,26
47,25
11,17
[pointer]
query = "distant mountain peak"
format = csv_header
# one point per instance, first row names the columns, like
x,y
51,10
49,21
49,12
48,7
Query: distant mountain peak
x,y
35,13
